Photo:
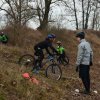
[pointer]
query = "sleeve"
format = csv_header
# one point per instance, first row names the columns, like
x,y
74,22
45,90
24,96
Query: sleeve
x,y
53,49
80,54
47,50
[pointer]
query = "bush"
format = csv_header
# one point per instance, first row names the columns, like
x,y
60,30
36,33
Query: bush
x,y
26,37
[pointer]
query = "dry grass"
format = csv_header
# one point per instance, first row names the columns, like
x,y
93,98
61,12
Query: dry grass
x,y
48,89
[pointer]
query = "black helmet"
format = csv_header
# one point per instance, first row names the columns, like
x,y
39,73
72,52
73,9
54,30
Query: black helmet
x,y
80,35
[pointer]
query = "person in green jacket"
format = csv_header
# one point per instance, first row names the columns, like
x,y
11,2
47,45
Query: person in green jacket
x,y
61,52
3,38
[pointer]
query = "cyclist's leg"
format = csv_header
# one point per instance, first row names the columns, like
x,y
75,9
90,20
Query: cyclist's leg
x,y
41,57
59,59
36,56
38,62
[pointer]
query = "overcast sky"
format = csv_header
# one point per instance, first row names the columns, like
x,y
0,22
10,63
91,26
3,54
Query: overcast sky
x,y
57,12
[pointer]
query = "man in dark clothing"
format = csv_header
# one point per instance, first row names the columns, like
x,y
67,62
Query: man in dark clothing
x,y
46,44
84,61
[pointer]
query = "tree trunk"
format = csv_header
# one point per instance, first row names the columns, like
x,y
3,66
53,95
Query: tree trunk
x,y
75,15
87,14
44,22
94,17
83,14
19,13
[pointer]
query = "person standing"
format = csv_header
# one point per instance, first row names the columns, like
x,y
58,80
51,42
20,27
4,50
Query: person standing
x,y
84,61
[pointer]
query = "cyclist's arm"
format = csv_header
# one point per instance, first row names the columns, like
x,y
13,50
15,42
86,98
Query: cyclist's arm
x,y
53,49
47,50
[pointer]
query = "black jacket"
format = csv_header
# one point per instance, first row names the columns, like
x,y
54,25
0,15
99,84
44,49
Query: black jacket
x,y
45,45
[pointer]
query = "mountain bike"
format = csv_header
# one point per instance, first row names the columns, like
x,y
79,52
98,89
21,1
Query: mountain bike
x,y
53,70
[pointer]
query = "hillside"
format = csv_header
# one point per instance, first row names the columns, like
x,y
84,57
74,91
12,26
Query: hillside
x,y
47,89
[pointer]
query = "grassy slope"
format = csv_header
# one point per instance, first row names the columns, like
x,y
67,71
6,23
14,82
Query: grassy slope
x,y
48,89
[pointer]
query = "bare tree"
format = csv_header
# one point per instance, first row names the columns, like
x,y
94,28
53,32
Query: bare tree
x,y
71,11
18,12
43,13
75,11
88,11
44,7
83,14
97,22
94,14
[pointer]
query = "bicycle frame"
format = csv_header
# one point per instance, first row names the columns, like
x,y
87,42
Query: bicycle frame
x,y
52,59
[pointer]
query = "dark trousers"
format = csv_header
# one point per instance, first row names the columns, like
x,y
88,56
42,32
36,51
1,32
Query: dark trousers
x,y
85,76
39,53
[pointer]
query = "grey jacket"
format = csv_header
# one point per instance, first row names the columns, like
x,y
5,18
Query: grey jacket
x,y
85,53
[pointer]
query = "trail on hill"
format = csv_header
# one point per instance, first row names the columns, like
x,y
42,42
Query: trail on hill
x,y
48,89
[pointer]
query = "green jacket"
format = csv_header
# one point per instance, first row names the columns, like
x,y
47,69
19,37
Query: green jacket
x,y
60,49
3,38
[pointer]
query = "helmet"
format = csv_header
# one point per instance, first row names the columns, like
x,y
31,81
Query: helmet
x,y
58,42
51,36
80,35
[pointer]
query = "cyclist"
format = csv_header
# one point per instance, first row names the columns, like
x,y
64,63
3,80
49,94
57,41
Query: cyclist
x,y
46,44
61,52
3,38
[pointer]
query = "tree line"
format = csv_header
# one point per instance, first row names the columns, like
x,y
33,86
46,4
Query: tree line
x,y
84,13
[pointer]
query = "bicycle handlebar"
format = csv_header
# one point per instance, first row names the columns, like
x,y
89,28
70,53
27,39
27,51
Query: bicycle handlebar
x,y
51,58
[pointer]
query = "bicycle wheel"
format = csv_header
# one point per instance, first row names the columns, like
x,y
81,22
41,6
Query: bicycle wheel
x,y
26,60
53,71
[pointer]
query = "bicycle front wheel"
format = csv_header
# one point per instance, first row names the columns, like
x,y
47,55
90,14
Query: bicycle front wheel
x,y
26,60
53,71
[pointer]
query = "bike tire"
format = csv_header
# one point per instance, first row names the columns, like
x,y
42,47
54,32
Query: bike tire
x,y
53,71
26,60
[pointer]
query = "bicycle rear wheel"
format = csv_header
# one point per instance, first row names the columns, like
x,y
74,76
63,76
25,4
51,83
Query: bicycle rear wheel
x,y
53,71
26,60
